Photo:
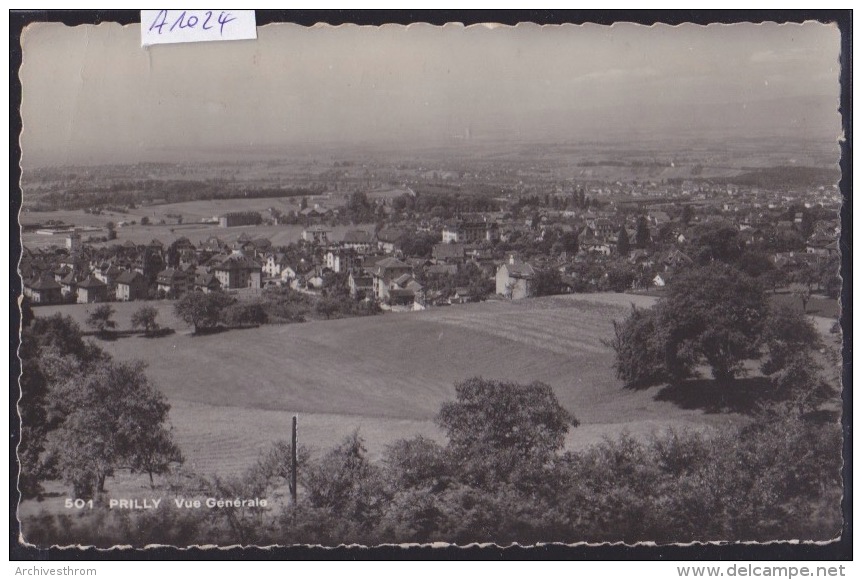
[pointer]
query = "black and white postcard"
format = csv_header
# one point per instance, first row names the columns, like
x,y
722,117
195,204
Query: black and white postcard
x,y
366,285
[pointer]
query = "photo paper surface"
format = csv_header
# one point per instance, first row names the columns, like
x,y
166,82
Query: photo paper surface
x,y
423,284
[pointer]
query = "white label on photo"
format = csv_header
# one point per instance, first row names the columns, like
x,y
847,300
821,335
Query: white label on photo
x,y
173,26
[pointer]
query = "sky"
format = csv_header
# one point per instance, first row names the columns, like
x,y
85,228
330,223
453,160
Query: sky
x,y
92,94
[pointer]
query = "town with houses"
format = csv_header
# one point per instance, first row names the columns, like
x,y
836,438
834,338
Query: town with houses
x,y
414,254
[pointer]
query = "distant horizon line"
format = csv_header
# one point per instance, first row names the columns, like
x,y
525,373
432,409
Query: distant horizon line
x,y
407,147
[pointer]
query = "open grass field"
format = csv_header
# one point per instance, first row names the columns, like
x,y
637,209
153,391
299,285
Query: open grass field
x,y
819,305
233,393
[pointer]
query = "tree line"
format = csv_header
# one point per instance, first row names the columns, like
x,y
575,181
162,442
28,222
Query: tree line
x,y
502,476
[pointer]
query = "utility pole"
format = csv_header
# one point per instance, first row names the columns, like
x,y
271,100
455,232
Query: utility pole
x,y
293,462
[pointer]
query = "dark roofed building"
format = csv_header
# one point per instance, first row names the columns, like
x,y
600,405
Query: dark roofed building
x,y
385,271
515,278
388,239
206,283
358,240
237,271
131,286
92,290
43,290
361,285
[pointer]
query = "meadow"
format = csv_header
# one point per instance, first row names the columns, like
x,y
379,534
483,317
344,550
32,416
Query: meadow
x,y
233,393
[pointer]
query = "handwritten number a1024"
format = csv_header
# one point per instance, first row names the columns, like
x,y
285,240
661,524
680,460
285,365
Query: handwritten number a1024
x,y
161,20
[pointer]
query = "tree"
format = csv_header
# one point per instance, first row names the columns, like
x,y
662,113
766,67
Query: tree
x,y
714,314
416,463
245,314
639,350
345,481
326,307
717,242
418,244
758,265
803,293
800,384
112,418
156,454
620,277
547,282
509,291
788,335
642,235
26,311
623,244
569,240
145,317
145,221
499,431
100,318
201,310
52,349
828,273
687,214
717,313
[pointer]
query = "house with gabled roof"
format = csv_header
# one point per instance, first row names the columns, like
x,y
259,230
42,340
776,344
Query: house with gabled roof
x,y
316,235
212,245
92,290
358,240
385,271
173,282
43,290
236,271
131,286
675,260
339,260
515,279
470,231
69,286
207,283
361,285
388,239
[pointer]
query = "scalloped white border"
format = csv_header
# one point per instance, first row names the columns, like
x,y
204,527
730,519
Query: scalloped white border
x,y
509,569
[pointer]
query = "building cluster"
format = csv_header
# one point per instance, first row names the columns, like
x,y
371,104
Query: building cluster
x,y
649,238
128,271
